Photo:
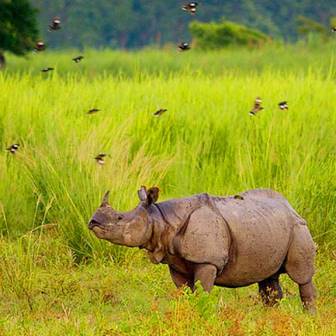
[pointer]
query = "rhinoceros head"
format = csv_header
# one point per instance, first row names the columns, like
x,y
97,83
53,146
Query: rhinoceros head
x,y
132,228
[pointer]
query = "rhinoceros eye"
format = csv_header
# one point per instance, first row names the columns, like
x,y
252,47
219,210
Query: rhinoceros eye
x,y
120,217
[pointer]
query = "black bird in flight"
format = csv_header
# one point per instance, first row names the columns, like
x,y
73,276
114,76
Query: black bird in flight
x,y
40,46
13,148
283,105
256,107
47,69
159,113
190,7
93,110
184,46
55,24
77,59
100,158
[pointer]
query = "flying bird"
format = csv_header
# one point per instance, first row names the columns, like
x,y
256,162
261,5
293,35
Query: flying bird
x,y
100,158
159,112
13,148
190,7
256,107
40,46
77,59
55,24
184,46
283,105
93,110
47,69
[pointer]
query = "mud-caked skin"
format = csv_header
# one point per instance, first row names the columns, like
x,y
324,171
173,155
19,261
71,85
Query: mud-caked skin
x,y
230,241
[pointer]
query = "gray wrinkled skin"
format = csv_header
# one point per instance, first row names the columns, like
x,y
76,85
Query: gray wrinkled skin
x,y
224,241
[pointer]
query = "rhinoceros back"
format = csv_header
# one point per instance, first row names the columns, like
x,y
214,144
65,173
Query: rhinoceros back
x,y
261,223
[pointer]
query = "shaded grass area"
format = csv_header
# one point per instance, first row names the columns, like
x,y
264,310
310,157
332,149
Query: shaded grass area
x,y
43,291
299,58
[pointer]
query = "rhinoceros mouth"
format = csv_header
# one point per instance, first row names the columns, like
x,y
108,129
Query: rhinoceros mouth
x,y
99,231
93,223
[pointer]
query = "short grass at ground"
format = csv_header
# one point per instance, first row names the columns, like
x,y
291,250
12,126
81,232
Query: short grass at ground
x,y
43,293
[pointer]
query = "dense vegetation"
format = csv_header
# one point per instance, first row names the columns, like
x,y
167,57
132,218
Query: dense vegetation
x,y
300,58
134,23
56,276
213,35
18,28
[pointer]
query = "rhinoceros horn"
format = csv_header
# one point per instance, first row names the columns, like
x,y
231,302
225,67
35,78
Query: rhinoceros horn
x,y
106,198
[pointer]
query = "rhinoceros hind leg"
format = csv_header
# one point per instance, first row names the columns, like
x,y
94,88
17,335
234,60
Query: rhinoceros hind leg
x,y
299,264
180,279
308,295
270,290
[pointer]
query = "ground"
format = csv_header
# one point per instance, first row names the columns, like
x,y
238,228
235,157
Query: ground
x,y
45,290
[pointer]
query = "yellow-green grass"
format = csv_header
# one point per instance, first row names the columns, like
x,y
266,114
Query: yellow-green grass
x,y
43,293
205,142
299,58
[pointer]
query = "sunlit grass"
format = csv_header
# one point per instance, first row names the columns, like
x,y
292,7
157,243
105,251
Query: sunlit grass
x,y
205,142
42,292
300,58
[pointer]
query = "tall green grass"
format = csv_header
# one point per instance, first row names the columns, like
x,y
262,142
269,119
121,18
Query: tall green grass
x,y
205,142
299,58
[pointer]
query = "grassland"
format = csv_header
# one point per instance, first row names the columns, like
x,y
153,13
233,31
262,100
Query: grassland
x,y
300,59
56,276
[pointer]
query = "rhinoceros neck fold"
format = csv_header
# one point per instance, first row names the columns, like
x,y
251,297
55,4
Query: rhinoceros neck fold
x,y
156,246
167,219
174,212
161,213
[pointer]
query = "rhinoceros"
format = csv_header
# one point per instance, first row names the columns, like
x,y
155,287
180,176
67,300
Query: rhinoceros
x,y
231,241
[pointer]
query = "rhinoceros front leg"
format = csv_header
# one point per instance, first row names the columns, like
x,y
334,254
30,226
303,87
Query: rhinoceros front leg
x,y
180,279
206,275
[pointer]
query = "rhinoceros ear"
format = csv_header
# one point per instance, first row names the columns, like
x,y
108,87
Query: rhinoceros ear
x,y
148,196
153,194
142,193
